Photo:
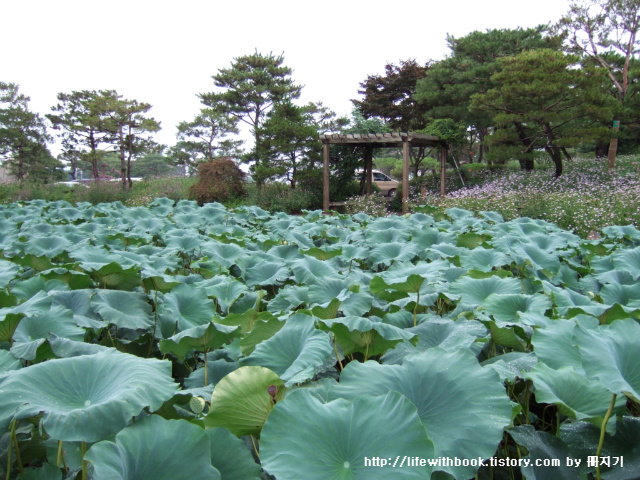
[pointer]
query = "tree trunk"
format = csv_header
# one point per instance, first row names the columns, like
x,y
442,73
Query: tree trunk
x,y
526,159
613,147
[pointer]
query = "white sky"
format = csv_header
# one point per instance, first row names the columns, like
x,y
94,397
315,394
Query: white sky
x,y
165,53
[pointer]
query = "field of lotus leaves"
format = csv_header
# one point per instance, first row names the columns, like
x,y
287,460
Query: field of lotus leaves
x,y
174,341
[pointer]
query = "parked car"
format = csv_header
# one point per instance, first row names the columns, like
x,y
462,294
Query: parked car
x,y
387,185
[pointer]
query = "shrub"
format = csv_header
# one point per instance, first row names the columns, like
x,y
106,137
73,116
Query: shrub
x,y
218,181
373,205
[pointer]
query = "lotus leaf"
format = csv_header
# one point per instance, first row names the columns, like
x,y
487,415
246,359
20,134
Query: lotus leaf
x,y
295,352
346,434
441,385
241,401
148,448
86,398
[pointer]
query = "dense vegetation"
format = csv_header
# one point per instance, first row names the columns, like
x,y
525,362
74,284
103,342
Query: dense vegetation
x,y
124,329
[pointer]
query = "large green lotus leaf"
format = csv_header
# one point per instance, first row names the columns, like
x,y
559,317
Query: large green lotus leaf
x,y
289,298
216,370
506,336
124,309
148,449
92,258
483,259
8,324
569,302
404,277
113,275
474,291
575,395
628,296
472,240
412,284
505,307
8,363
183,243
511,365
386,253
295,352
86,398
241,401
64,348
33,331
583,438
47,246
231,457
308,270
442,333
610,353
441,385
540,259
261,331
327,289
202,338
364,335
542,447
554,345
226,292
628,260
339,440
8,272
189,306
266,273
46,472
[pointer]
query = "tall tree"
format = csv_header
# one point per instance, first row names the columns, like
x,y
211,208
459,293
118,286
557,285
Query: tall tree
x,y
250,87
131,131
391,96
290,140
596,28
547,101
205,137
445,91
23,138
82,119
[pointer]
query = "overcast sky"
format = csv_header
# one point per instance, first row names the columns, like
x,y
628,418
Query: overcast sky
x,y
165,53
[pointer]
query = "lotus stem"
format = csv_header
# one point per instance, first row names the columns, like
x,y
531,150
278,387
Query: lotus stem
x,y
155,320
603,430
335,347
15,441
13,428
59,457
206,371
255,447
84,462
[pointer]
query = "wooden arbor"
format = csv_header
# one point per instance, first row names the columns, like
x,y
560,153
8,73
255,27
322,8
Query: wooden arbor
x,y
404,140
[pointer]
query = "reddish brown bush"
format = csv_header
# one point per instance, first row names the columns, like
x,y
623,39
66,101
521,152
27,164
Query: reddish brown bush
x,y
218,181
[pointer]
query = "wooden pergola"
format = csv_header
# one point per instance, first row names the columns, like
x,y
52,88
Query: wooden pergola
x,y
404,140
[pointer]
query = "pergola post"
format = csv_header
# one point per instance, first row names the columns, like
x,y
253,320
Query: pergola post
x,y
368,168
325,180
405,174
442,153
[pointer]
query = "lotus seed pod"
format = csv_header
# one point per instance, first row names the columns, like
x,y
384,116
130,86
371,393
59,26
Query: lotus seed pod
x,y
197,404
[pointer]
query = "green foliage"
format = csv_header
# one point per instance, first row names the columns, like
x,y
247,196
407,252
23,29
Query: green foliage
x,y
218,180
449,330
390,97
